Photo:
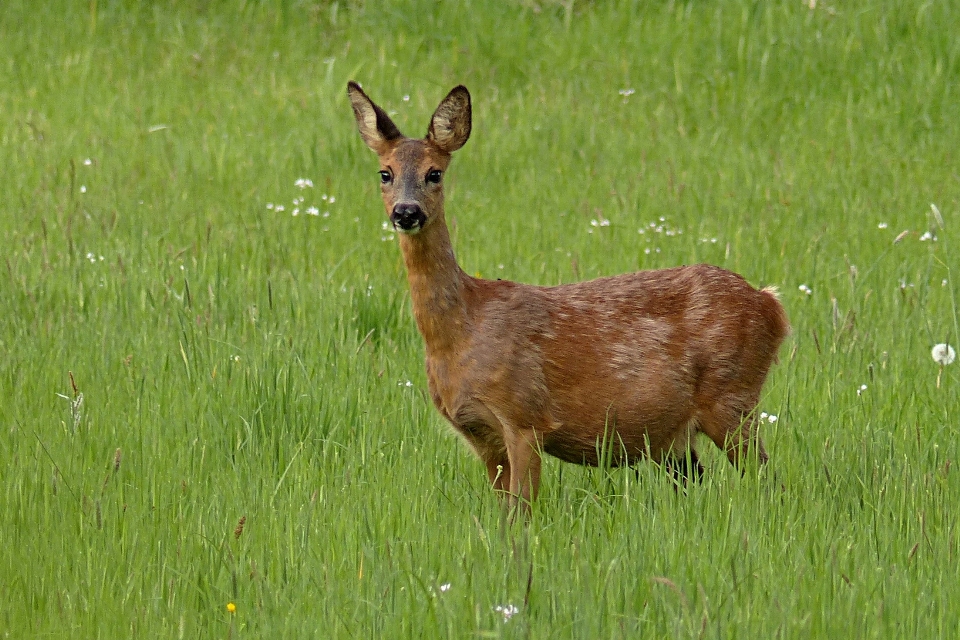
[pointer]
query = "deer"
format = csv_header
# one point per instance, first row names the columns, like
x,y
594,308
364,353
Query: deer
x,y
636,365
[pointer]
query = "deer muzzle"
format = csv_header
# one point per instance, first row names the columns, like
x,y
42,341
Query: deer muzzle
x,y
408,217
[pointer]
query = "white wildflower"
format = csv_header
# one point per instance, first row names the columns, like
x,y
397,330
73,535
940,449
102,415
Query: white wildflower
x,y
83,188
862,388
507,610
313,211
805,289
87,162
627,92
445,587
882,225
303,183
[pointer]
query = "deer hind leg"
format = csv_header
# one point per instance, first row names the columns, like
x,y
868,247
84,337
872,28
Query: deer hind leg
x,y
684,468
681,461
731,424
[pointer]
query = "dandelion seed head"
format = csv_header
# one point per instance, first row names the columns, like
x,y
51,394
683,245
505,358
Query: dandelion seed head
x,y
943,354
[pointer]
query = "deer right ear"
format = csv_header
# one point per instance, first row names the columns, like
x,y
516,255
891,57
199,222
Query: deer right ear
x,y
376,127
450,126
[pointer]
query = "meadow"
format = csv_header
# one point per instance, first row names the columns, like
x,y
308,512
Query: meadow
x,y
214,418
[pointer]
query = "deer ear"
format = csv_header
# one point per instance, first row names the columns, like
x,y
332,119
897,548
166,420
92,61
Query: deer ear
x,y
450,126
376,127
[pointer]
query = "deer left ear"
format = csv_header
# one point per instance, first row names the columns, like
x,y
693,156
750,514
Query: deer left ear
x,y
376,127
450,126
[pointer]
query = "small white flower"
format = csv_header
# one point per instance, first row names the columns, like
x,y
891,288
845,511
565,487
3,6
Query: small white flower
x,y
326,214
83,188
507,610
296,211
313,211
406,98
331,200
882,225
943,282
626,92
278,208
404,383
805,289
269,205
445,587
87,162
862,388
943,354
928,236
303,183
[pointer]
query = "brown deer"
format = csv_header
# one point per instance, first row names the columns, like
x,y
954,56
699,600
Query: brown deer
x,y
636,363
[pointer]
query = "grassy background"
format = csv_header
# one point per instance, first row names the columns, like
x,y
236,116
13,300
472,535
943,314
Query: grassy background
x,y
240,362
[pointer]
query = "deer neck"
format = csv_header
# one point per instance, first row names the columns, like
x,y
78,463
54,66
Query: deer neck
x,y
436,286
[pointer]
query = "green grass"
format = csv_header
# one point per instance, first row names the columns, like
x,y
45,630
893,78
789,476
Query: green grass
x,y
246,363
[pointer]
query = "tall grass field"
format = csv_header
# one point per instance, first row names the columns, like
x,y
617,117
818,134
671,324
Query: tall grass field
x,y
214,418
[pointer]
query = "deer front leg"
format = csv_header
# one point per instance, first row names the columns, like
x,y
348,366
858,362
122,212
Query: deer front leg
x,y
524,456
498,471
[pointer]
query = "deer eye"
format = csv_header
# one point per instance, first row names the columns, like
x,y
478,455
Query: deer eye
x,y
434,176
385,177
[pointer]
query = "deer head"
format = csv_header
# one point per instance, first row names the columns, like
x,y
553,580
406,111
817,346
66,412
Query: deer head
x,y
411,170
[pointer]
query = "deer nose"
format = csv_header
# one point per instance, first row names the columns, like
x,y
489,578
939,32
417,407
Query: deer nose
x,y
407,217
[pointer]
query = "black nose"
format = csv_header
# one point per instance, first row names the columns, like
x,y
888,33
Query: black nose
x,y
407,216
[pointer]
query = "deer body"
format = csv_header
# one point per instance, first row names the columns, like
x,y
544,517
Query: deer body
x,y
634,365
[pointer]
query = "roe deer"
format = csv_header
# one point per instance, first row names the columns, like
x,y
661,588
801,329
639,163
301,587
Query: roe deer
x,y
643,361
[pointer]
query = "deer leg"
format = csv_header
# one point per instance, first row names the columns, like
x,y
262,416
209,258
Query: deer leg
x,y
685,469
498,471
524,455
732,429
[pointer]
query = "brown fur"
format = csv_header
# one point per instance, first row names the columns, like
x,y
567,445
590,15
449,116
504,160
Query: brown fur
x,y
641,361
